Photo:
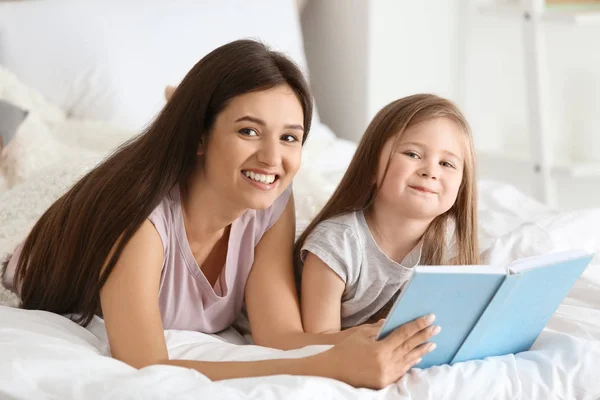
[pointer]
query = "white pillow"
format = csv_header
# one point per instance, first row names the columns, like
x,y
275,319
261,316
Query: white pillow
x,y
32,146
110,60
46,137
21,207
13,90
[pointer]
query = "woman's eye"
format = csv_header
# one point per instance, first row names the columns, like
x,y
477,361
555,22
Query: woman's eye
x,y
412,154
248,132
289,138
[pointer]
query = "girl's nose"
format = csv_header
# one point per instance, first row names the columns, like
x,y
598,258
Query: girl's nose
x,y
429,170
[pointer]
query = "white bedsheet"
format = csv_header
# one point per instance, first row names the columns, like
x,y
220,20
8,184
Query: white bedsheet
x,y
43,355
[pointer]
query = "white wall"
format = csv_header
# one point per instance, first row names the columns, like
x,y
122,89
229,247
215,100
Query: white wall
x,y
496,102
411,50
496,86
363,54
335,37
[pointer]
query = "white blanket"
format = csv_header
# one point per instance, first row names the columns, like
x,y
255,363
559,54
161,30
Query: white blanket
x,y
47,356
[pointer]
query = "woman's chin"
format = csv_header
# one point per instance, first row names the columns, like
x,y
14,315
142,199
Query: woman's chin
x,y
261,202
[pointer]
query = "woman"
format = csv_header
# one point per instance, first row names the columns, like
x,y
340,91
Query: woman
x,y
187,220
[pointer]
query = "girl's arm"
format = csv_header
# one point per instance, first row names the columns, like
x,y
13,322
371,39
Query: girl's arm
x,y
322,291
131,312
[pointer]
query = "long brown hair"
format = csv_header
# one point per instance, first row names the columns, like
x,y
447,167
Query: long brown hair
x,y
356,190
60,267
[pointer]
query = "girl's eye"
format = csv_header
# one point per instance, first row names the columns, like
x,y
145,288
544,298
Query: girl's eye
x,y
412,154
248,132
289,138
446,164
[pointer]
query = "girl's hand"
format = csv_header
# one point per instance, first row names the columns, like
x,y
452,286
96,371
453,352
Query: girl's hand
x,y
362,361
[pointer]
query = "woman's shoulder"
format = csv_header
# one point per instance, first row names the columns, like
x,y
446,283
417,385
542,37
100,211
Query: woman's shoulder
x,y
162,215
268,217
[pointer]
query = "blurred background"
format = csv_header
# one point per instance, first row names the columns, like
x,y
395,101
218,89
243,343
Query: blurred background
x,y
526,74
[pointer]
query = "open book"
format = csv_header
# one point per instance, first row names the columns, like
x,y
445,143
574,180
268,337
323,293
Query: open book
x,y
486,310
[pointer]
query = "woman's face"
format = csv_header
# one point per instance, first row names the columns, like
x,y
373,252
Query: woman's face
x,y
255,146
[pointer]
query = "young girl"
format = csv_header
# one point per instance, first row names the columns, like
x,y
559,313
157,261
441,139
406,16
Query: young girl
x,y
411,180
193,217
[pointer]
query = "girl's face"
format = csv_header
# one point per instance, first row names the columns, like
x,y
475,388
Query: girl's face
x,y
254,149
425,171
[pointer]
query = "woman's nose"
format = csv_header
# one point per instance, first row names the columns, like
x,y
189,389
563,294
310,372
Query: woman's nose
x,y
268,153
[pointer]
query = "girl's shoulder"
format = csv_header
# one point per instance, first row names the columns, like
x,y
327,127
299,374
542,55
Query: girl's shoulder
x,y
351,221
347,225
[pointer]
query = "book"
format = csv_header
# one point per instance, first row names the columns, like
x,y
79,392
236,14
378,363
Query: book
x,y
486,310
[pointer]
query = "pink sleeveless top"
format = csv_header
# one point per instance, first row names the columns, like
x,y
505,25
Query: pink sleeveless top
x,y
186,298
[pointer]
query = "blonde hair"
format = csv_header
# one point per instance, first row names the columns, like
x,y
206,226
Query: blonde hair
x,y
357,191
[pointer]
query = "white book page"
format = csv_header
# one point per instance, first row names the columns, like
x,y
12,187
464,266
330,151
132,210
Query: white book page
x,y
461,269
516,267
529,263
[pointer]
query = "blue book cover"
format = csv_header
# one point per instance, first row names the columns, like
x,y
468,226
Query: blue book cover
x,y
486,310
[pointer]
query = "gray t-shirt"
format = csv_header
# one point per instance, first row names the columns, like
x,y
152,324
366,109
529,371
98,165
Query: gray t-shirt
x,y
372,279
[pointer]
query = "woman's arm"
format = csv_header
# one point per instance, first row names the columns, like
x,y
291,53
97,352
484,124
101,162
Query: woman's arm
x,y
132,316
271,296
129,301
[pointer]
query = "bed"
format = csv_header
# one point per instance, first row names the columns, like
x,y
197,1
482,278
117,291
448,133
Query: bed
x,y
87,92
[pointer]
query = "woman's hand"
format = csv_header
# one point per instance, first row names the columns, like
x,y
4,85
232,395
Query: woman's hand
x,y
362,361
368,327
